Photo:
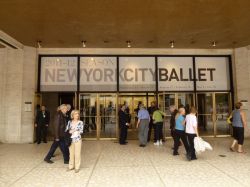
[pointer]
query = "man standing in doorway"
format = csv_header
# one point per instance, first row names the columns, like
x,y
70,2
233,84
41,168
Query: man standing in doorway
x,y
124,124
41,124
60,126
142,124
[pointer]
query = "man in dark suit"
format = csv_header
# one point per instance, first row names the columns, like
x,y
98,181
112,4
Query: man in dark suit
x,y
41,124
124,124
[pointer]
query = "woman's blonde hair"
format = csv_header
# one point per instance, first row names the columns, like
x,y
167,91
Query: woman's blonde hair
x,y
180,110
74,112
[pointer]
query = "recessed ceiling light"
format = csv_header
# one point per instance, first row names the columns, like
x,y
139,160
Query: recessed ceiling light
x,y
84,43
172,44
214,43
128,44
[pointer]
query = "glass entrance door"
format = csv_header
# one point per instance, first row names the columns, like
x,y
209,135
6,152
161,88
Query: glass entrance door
x,y
223,110
168,100
213,110
108,115
205,113
133,101
88,111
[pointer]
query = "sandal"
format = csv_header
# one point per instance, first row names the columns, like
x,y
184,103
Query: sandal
x,y
243,152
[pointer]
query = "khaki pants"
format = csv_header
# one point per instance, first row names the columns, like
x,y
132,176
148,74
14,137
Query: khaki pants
x,y
75,155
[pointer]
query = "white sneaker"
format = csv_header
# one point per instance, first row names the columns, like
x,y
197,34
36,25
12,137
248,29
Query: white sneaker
x,y
157,143
160,142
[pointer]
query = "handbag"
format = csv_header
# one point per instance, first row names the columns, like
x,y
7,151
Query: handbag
x,y
200,145
67,137
230,119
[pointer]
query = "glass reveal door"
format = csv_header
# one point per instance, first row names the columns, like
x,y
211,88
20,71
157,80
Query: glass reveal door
x,y
223,110
165,101
132,101
108,115
205,113
88,110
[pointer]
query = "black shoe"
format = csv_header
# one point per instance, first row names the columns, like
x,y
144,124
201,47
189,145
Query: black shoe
x,y
38,142
193,158
175,154
66,162
126,142
142,145
53,155
44,141
188,157
48,161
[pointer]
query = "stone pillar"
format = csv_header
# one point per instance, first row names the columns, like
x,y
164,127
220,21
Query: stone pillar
x,y
17,85
242,78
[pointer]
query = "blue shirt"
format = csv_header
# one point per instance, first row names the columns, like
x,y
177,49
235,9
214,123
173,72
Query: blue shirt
x,y
178,123
143,114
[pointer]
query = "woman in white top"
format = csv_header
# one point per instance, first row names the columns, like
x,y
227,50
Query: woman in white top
x,y
75,127
191,131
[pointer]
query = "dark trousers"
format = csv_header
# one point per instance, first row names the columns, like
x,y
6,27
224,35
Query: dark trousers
x,y
150,128
123,134
63,147
191,145
41,133
158,131
178,134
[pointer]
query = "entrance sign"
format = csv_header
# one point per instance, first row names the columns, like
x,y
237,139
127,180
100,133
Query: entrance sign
x,y
212,73
58,74
137,74
98,74
175,74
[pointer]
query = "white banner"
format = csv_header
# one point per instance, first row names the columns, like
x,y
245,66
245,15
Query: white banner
x,y
175,74
137,74
212,73
58,74
98,74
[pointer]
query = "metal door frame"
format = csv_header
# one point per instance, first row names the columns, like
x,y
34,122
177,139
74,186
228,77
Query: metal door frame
x,y
98,116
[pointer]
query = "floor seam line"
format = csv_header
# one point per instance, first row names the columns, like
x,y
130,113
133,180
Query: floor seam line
x,y
97,160
25,174
225,173
156,171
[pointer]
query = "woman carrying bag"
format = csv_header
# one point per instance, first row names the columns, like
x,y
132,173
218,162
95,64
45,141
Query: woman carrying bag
x,y
192,132
75,128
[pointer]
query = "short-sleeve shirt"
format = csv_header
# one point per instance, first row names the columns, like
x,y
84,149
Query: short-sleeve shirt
x,y
191,123
143,114
179,123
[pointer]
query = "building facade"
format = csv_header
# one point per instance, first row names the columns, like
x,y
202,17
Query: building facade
x,y
97,81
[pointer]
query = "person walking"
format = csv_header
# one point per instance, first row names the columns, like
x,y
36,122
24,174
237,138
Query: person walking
x,y
41,124
180,132
75,128
192,132
142,124
158,125
239,124
124,124
60,126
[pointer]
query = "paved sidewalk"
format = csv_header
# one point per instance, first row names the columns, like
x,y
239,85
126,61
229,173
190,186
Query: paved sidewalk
x,y
108,164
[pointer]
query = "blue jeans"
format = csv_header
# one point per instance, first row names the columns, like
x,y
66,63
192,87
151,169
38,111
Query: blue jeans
x,y
64,149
